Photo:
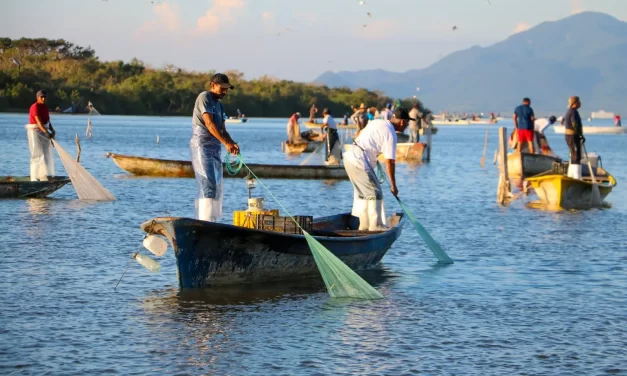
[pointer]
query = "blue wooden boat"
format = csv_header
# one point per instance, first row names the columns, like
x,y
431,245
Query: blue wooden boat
x,y
213,254
23,187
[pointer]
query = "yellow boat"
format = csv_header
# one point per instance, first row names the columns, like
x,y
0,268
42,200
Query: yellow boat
x,y
558,192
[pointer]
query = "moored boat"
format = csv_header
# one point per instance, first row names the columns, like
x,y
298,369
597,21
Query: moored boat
x,y
558,191
240,120
213,254
301,147
559,129
412,152
338,125
524,165
23,187
153,167
452,122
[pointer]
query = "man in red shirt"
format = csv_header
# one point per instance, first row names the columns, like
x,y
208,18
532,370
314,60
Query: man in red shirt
x,y
40,132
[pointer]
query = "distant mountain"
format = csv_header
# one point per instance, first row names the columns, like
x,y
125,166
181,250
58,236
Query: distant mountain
x,y
584,54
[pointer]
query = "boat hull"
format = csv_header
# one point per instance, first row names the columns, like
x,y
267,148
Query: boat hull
x,y
165,168
558,192
231,121
303,147
405,152
22,187
338,125
559,129
214,254
452,123
524,165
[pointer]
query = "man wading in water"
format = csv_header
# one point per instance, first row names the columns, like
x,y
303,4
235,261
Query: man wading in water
x,y
208,135
379,137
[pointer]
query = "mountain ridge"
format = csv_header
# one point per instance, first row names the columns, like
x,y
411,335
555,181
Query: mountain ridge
x,y
584,54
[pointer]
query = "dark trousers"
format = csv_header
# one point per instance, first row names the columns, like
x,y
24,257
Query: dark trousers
x,y
332,138
574,145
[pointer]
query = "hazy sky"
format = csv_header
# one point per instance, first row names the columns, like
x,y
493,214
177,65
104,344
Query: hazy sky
x,y
327,34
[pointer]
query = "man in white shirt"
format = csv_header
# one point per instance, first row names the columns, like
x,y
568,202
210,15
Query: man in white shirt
x,y
379,137
539,125
333,149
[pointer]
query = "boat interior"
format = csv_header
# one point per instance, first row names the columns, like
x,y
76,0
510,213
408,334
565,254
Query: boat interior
x,y
346,225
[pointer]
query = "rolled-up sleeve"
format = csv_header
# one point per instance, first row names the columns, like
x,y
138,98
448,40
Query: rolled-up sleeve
x,y
205,104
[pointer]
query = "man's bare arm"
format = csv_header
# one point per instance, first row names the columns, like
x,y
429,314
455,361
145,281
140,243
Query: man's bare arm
x,y
390,164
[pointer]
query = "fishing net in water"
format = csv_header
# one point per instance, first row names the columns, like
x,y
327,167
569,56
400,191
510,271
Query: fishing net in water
x,y
434,246
340,280
86,186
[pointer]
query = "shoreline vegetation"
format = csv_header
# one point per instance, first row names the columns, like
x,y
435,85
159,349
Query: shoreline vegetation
x,y
73,76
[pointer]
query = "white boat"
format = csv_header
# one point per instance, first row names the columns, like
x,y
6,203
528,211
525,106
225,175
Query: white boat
x,y
559,129
240,120
454,122
602,115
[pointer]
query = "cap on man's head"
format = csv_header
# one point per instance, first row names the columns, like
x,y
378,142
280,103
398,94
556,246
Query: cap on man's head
x,y
41,93
362,106
525,99
401,113
297,114
326,111
389,105
552,119
222,80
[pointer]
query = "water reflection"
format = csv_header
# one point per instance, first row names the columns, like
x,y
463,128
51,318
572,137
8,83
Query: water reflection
x,y
39,206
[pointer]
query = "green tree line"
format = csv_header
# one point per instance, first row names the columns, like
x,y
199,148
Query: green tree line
x,y
73,75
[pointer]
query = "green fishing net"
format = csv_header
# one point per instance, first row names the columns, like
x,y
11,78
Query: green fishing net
x,y
341,281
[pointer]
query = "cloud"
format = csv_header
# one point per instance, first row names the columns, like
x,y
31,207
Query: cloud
x,y
576,6
168,18
220,12
523,26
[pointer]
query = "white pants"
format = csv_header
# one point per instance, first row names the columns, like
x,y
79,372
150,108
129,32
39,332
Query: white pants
x,y
41,158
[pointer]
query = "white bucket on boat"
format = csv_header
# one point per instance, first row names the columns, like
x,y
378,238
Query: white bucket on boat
x,y
594,160
255,204
155,244
147,262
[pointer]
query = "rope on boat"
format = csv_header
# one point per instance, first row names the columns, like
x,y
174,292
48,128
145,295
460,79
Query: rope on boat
x,y
233,167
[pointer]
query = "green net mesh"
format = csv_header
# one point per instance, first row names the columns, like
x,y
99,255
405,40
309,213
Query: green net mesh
x,y
341,281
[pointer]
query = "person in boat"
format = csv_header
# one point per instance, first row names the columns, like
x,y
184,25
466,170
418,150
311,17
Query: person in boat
x,y
414,125
293,129
40,133
371,113
239,114
333,150
573,134
208,135
379,137
492,118
346,118
540,125
360,117
313,110
524,124
386,112
617,121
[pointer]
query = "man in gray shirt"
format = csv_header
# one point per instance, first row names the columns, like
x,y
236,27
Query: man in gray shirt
x,y
208,135
414,125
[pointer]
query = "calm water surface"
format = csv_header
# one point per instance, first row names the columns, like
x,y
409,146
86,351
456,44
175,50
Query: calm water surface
x,y
531,292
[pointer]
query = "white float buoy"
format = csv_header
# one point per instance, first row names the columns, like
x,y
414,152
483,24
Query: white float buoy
x,y
157,139
147,262
155,244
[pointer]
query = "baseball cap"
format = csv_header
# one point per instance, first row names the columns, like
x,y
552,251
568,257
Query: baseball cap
x,y
41,93
402,114
222,80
